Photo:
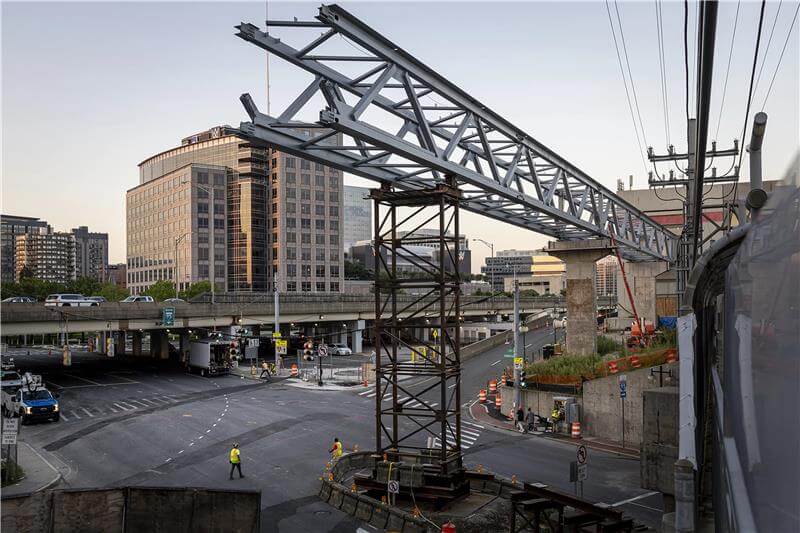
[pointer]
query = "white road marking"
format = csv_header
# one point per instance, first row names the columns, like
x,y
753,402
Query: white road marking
x,y
123,408
138,402
151,402
470,432
168,459
84,379
63,417
112,410
208,430
200,437
180,452
453,385
214,425
639,497
162,400
366,392
133,407
471,424
219,419
191,444
85,410
496,362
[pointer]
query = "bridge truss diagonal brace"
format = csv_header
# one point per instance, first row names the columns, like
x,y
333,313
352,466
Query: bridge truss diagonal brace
x,y
501,171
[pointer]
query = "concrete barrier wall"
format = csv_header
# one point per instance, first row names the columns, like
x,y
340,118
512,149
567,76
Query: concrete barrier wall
x,y
601,406
133,509
477,348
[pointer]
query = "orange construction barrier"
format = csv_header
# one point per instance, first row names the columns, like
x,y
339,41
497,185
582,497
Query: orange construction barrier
x,y
493,386
498,401
294,370
635,363
612,367
672,356
505,379
576,430
482,396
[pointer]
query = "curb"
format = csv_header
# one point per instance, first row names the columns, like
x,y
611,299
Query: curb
x,y
55,480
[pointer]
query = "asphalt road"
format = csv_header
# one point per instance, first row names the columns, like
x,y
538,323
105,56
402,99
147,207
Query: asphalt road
x,y
136,423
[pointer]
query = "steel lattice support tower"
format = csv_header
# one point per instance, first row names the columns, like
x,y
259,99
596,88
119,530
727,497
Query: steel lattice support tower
x,y
431,333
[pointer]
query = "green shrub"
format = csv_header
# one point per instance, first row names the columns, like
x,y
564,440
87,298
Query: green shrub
x,y
606,345
566,365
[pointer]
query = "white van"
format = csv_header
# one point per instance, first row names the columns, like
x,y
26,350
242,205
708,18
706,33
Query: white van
x,y
69,300
131,299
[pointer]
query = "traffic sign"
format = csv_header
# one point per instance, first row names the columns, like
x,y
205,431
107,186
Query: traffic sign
x,y
276,334
583,472
168,316
623,386
322,350
8,438
518,361
509,353
282,347
11,425
582,454
394,486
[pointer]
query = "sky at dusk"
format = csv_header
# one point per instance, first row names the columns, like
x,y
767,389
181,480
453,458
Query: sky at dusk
x,y
89,90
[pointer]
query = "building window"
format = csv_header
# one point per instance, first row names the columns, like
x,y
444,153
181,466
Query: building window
x,y
219,209
305,179
320,286
306,286
291,192
291,271
305,195
305,164
319,210
305,238
319,180
319,167
275,253
319,196
320,254
305,254
291,208
202,222
334,240
334,271
333,182
202,254
305,271
291,177
219,223
219,179
320,239
290,162
275,193
305,209
291,254
202,178
320,271
305,223
275,222
291,223
334,225
291,286
291,237
333,196
202,208
334,286
319,224
333,210
334,257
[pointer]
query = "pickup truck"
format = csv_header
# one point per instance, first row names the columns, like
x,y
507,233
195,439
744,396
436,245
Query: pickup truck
x,y
31,401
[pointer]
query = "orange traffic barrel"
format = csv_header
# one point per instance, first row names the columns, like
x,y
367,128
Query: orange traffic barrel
x,y
294,370
576,430
493,386
635,363
498,401
482,396
612,367
505,378
672,356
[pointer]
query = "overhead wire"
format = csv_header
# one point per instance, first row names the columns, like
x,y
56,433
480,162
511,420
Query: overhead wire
x,y
662,70
727,71
766,48
625,84
686,54
780,58
630,75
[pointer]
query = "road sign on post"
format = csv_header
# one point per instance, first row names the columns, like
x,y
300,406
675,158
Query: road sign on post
x,y
322,350
623,386
394,486
168,316
582,455
281,347
518,363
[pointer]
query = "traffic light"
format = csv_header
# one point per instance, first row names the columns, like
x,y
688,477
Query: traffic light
x,y
308,351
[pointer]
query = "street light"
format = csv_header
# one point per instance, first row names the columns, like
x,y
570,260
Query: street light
x,y
212,230
175,270
491,270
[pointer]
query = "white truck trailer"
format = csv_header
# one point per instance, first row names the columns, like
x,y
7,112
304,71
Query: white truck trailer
x,y
210,357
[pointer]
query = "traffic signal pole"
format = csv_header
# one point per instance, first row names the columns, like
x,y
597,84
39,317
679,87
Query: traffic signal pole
x,y
517,350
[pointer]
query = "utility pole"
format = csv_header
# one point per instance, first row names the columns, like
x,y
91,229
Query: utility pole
x,y
277,327
517,351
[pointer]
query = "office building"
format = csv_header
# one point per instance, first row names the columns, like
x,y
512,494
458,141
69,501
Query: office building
x,y
91,253
606,276
10,227
507,263
273,216
117,274
409,257
45,255
357,216
547,275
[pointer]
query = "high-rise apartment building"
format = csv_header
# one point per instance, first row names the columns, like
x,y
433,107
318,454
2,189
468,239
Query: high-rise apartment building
x,y
10,227
91,254
273,215
606,276
117,274
45,255
357,216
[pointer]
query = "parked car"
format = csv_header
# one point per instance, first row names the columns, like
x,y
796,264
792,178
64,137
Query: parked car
x,y
174,301
130,299
339,349
19,300
10,378
98,299
69,300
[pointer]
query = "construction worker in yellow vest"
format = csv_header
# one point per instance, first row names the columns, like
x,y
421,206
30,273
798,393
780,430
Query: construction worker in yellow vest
x,y
336,451
236,462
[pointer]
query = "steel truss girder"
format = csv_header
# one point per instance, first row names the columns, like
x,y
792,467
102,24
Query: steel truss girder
x,y
518,180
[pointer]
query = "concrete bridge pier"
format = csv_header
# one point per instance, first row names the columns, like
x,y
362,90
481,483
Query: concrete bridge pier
x,y
580,258
184,345
159,344
642,280
357,330
119,343
136,343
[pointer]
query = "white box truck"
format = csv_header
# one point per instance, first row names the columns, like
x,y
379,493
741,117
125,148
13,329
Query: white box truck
x,y
210,357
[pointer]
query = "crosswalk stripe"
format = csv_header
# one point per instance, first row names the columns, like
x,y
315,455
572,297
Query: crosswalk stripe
x,y
471,424
151,402
75,415
63,417
468,440
138,402
363,393
167,401
470,432
112,410
124,408
85,410
371,394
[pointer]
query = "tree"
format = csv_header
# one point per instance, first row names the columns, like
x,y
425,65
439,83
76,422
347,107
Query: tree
x,y
528,293
113,292
85,286
161,290
356,270
195,289
25,272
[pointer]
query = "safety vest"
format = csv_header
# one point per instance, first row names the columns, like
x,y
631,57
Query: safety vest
x,y
234,455
337,449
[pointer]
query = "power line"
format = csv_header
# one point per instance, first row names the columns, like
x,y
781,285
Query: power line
x,y
778,66
625,84
769,42
752,80
686,54
662,68
630,75
727,70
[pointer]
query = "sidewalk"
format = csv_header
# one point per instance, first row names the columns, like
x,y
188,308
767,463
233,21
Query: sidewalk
x,y
40,473
487,414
